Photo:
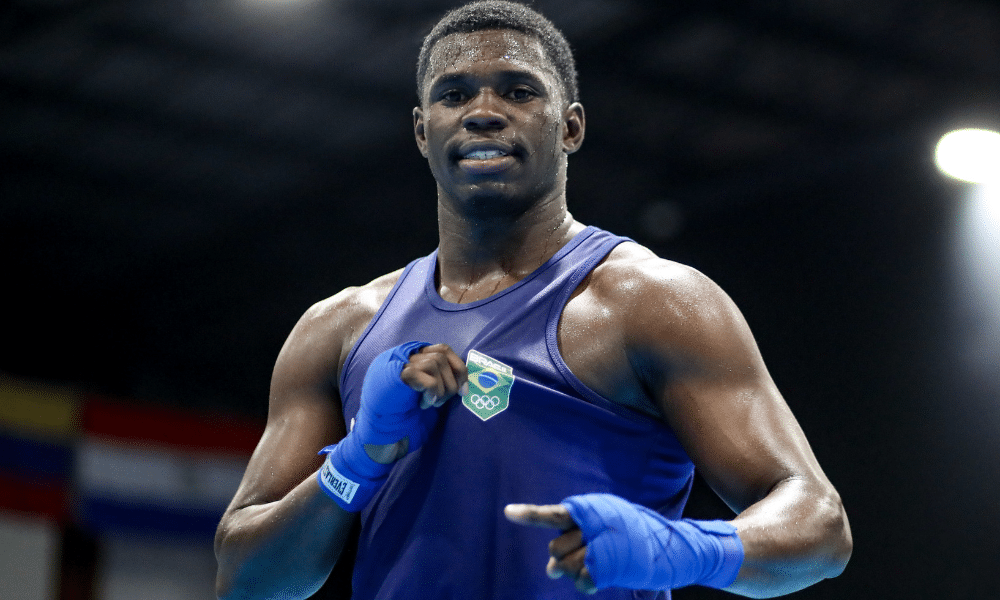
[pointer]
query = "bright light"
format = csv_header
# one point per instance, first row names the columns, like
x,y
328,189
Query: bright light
x,y
979,254
990,197
970,154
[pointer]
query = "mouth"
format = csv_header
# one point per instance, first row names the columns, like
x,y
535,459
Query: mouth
x,y
484,154
480,159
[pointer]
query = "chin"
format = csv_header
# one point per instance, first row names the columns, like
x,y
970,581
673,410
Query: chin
x,y
495,201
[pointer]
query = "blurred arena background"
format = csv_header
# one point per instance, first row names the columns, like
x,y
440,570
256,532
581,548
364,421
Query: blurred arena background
x,y
180,181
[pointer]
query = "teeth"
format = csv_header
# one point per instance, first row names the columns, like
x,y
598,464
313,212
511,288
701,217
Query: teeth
x,y
485,154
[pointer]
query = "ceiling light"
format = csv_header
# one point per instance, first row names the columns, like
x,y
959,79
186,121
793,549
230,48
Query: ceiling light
x,y
970,155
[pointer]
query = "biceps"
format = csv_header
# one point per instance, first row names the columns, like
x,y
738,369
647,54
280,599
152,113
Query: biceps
x,y
742,437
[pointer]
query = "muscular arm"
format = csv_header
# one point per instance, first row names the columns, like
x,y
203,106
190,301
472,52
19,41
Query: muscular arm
x,y
675,344
718,397
691,347
281,535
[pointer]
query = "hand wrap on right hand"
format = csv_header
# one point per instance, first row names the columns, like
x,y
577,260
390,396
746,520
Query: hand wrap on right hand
x,y
389,412
633,547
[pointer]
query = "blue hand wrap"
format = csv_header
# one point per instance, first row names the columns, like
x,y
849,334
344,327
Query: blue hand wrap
x,y
390,411
633,547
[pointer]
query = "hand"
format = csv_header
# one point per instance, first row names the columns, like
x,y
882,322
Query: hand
x,y
634,547
439,374
402,390
567,551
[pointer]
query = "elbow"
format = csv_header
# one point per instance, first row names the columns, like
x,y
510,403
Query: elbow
x,y
224,586
839,560
790,558
253,587
241,577
231,577
843,555
228,586
223,574
223,589
838,543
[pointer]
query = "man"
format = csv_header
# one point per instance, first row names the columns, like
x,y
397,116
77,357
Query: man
x,y
529,359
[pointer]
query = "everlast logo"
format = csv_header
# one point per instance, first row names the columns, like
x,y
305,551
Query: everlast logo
x,y
341,486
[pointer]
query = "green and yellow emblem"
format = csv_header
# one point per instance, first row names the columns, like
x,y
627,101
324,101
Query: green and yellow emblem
x,y
489,385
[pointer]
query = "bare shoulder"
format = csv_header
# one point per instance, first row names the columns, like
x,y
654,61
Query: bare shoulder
x,y
656,294
324,335
652,315
637,264
660,323
349,311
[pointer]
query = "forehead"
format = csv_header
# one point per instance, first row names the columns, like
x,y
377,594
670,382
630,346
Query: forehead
x,y
491,48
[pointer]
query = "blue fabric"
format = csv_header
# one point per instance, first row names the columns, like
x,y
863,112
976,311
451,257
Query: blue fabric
x,y
390,411
436,528
634,547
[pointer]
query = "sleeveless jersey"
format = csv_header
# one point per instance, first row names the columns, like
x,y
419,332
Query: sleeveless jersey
x,y
528,431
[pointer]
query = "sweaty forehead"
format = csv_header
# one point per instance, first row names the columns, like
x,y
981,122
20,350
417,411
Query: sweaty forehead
x,y
460,52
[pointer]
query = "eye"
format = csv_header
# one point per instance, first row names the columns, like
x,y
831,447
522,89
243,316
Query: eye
x,y
452,96
522,94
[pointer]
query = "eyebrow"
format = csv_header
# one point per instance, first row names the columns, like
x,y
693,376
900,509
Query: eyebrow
x,y
506,75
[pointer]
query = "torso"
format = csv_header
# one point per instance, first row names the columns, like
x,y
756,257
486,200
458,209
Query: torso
x,y
553,435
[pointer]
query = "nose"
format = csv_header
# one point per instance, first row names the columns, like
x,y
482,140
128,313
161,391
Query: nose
x,y
485,112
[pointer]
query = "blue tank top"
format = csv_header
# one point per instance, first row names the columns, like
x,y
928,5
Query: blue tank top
x,y
528,431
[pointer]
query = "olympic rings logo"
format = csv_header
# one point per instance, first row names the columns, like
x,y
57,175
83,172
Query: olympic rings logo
x,y
484,402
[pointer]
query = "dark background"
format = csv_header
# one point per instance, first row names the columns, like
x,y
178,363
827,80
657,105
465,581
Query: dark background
x,y
180,181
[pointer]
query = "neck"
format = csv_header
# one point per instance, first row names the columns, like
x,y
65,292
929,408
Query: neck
x,y
480,255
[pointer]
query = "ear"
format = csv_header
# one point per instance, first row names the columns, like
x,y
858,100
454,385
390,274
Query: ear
x,y
574,124
418,131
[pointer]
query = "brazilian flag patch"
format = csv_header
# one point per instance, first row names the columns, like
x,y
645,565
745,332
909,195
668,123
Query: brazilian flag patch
x,y
489,385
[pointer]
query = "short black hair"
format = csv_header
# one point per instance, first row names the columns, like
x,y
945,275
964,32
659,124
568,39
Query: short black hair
x,y
501,14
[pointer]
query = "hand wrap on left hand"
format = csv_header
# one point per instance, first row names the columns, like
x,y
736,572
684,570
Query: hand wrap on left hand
x,y
633,547
389,412
390,409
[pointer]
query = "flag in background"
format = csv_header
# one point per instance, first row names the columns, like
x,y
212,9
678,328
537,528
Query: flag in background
x,y
146,469
153,482
38,426
136,488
